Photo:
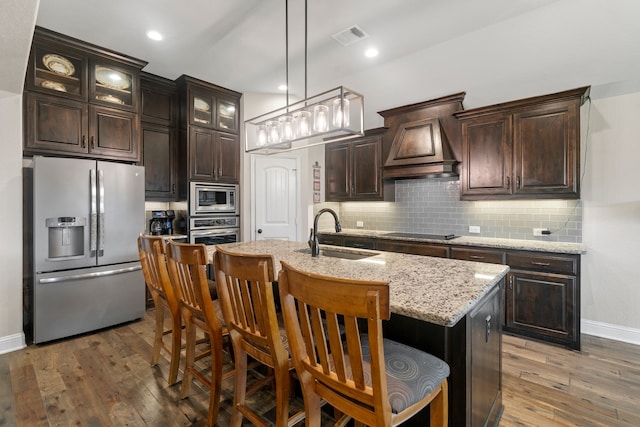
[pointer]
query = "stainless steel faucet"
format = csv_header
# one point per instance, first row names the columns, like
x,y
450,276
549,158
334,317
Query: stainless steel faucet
x,y
313,237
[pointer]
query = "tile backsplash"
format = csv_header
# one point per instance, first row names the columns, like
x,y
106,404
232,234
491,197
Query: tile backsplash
x,y
433,206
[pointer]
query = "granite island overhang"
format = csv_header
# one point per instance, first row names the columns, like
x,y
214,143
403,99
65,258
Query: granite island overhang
x,y
449,308
436,290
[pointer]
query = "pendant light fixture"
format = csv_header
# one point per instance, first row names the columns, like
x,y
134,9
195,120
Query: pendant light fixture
x,y
334,115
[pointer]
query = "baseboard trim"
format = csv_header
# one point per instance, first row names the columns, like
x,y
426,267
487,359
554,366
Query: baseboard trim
x,y
614,332
11,343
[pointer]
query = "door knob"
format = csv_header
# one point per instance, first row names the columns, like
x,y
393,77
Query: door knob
x,y
259,230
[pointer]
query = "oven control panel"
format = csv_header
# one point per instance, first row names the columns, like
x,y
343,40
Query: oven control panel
x,y
214,222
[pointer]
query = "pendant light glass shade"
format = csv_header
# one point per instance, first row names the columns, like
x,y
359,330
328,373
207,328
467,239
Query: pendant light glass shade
x,y
331,116
341,112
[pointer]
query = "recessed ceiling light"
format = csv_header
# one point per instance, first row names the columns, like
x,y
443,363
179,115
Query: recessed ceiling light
x,y
282,87
154,35
372,52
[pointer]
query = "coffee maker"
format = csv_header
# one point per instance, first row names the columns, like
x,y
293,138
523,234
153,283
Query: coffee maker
x,y
157,223
162,222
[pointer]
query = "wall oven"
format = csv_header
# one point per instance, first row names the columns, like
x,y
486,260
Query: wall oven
x,y
213,199
214,230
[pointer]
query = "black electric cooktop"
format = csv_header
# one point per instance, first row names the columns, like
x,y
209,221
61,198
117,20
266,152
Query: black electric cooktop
x,y
422,236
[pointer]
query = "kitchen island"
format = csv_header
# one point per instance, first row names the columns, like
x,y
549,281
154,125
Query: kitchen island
x,y
449,308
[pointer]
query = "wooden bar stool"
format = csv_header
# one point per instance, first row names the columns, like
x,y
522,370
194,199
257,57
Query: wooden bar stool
x,y
187,270
245,289
156,276
350,372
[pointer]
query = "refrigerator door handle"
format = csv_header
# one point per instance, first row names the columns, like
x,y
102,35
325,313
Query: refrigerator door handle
x,y
93,231
101,213
89,275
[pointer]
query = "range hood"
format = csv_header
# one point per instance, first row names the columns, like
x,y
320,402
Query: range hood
x,y
423,139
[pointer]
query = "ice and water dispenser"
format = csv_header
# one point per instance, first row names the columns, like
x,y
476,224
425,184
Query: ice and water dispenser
x,y
66,237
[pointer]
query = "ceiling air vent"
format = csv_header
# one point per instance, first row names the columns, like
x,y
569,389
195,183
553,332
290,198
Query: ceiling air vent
x,y
350,35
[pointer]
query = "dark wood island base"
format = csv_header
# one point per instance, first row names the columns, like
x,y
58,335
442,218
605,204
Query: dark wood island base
x,y
472,348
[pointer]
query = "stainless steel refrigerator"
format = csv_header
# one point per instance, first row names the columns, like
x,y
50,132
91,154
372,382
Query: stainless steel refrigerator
x,y
87,215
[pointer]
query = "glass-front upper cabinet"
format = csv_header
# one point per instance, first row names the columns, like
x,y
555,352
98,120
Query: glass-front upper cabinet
x,y
62,66
203,104
56,70
207,105
227,114
211,110
113,85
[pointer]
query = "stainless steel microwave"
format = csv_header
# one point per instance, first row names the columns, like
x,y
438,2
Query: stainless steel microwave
x,y
208,199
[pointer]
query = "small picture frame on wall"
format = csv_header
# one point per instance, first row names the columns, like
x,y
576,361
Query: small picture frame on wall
x,y
316,173
316,197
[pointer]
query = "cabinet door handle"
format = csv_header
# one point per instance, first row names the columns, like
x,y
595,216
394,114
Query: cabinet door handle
x,y
476,257
219,171
508,183
93,145
541,264
511,282
487,327
84,141
518,182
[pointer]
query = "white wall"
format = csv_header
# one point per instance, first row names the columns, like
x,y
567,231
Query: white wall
x,y
17,21
611,220
11,335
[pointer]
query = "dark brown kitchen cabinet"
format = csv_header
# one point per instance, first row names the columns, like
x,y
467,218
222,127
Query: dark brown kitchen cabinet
x,y
158,118
213,156
528,148
466,253
330,239
159,156
159,100
55,125
542,298
484,360
353,169
81,100
360,242
209,126
415,248
348,241
61,126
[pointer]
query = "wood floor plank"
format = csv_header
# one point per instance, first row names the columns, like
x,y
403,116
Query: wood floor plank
x,y
29,407
7,401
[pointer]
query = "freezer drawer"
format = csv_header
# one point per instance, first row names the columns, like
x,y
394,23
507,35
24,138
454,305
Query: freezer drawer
x,y
77,301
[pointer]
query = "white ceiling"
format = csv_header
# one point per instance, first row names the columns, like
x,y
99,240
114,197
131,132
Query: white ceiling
x,y
494,50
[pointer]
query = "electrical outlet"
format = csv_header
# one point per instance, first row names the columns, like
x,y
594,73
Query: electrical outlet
x,y
475,229
540,231
359,224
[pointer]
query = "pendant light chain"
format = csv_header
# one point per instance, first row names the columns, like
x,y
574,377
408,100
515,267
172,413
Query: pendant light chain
x,y
305,49
286,46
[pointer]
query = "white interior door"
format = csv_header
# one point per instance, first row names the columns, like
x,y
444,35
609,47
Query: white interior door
x,y
275,198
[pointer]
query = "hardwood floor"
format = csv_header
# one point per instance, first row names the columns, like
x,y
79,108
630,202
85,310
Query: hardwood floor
x,y
104,379
544,385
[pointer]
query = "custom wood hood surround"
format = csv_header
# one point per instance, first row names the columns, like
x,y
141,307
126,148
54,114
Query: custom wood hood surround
x,y
423,139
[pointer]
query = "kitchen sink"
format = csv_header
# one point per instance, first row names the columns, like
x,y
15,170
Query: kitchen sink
x,y
343,254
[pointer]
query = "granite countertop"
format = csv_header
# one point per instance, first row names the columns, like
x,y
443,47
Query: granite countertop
x,y
436,290
489,242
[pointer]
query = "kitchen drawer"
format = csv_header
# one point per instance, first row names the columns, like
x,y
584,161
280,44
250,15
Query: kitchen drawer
x,y
564,264
480,255
359,242
425,249
329,239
